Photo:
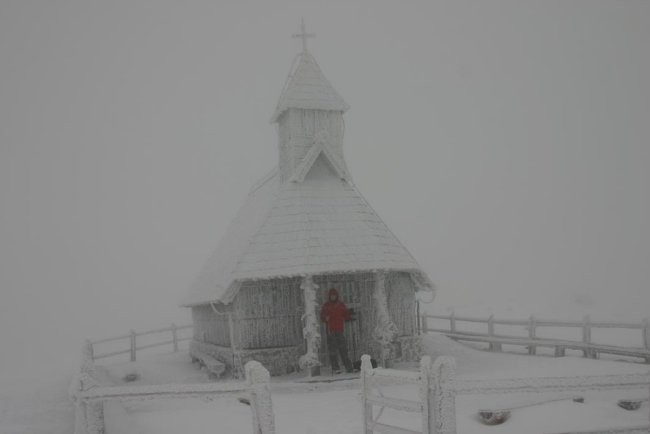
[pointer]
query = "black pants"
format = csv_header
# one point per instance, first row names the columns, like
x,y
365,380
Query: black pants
x,y
336,347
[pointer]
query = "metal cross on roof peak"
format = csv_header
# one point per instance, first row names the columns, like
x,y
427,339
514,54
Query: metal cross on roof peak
x,y
303,35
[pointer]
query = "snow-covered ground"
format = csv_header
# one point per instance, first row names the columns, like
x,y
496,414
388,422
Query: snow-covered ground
x,y
323,410
37,403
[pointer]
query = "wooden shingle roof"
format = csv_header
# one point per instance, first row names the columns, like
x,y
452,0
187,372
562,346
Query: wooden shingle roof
x,y
318,226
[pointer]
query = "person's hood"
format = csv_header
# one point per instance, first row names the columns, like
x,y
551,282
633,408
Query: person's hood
x,y
332,292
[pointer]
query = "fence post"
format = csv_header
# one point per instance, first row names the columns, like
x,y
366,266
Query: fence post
x,y
452,322
174,338
494,346
425,325
646,337
425,395
87,354
366,369
443,404
532,334
132,340
90,415
586,337
95,418
236,362
258,382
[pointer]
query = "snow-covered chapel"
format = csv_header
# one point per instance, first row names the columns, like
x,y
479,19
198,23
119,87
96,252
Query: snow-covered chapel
x,y
304,229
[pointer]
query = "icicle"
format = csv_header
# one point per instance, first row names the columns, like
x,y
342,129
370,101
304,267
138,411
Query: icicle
x,y
310,330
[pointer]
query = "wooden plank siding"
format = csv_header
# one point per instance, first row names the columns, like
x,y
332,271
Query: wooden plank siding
x,y
268,314
401,302
210,327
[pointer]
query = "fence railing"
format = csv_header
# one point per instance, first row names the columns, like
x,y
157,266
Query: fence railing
x,y
532,341
438,388
174,333
436,404
89,396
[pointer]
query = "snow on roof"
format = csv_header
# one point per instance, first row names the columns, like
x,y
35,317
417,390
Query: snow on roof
x,y
214,279
318,226
307,88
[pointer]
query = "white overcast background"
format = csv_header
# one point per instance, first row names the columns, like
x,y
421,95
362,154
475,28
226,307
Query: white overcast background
x,y
506,143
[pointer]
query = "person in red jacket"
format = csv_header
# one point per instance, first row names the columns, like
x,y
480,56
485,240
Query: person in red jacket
x,y
334,313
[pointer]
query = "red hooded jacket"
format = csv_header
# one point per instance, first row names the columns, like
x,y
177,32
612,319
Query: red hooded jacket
x,y
334,313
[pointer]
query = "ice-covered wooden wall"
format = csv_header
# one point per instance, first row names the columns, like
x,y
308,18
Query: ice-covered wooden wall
x,y
266,314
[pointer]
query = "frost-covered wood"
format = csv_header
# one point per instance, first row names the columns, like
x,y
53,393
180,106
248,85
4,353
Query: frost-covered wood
x,y
258,381
553,384
385,331
89,395
586,345
210,326
443,401
400,292
436,391
130,341
266,314
89,416
310,360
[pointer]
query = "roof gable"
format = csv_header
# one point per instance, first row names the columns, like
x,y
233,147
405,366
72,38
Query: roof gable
x,y
319,150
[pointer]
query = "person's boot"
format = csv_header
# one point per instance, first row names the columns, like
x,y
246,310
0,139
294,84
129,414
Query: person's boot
x,y
334,363
348,365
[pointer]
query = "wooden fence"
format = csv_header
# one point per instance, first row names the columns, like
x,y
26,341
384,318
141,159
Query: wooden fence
x,y
439,387
174,333
532,341
89,396
436,404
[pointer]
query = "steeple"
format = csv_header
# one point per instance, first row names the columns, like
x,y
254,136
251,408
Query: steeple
x,y
309,115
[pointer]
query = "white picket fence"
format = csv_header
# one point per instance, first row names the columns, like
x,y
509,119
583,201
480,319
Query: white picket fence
x,y
532,341
438,388
175,335
89,396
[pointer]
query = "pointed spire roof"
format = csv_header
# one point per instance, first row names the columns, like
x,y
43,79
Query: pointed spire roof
x,y
307,88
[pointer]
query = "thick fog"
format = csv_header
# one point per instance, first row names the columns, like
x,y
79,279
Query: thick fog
x,y
506,143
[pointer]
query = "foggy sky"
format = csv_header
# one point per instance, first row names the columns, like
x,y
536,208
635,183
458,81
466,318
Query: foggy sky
x,y
506,143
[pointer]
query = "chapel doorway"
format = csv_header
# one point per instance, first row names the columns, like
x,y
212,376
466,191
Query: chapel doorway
x,y
355,290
